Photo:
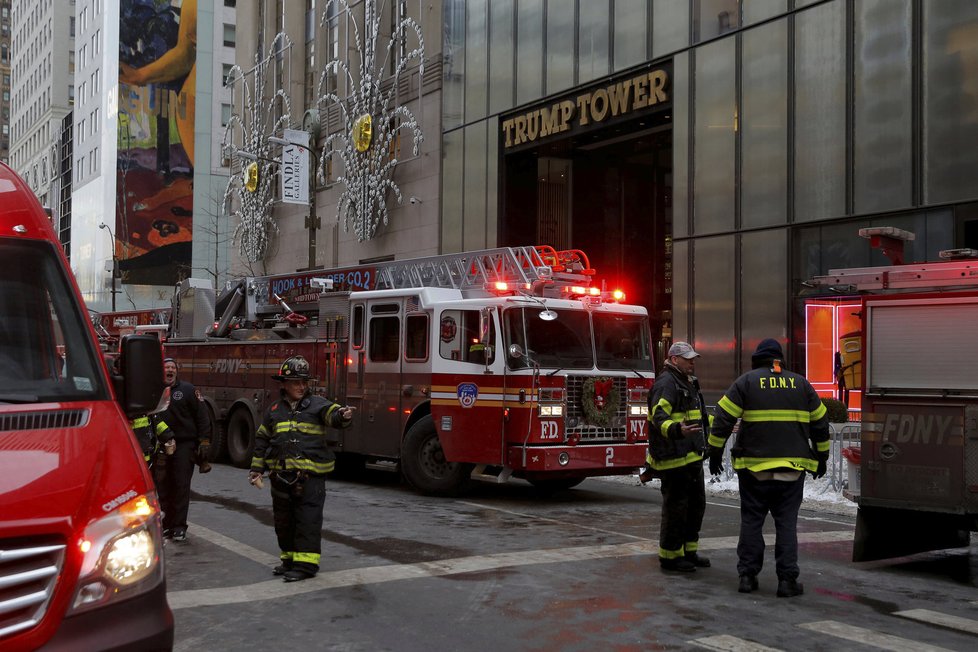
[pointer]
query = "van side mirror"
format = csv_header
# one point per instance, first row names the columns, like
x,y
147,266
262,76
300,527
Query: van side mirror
x,y
139,385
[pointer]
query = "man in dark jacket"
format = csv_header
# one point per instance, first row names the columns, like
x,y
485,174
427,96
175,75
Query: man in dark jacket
x,y
783,433
190,425
291,445
676,446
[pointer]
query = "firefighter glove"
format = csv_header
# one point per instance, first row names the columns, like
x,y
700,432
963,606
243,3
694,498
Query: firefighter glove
x,y
820,471
716,460
204,451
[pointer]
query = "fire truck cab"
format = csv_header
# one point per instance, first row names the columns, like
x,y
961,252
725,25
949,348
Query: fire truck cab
x,y
81,562
918,486
484,365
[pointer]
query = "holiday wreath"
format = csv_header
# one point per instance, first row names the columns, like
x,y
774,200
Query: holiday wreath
x,y
600,401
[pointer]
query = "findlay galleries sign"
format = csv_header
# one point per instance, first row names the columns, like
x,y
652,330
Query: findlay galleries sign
x,y
588,109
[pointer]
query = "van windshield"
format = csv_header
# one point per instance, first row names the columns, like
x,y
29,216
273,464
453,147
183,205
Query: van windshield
x,y
46,354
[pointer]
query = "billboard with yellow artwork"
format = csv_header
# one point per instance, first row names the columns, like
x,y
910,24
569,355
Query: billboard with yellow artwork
x,y
155,166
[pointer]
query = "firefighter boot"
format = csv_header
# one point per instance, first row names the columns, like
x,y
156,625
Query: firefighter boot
x,y
748,583
282,568
678,564
698,560
789,588
296,575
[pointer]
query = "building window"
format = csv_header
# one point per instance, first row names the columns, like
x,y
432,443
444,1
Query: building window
x,y
229,35
225,114
225,71
230,3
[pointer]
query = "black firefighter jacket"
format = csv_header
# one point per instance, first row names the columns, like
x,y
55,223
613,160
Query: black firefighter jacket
x,y
673,401
784,424
294,439
187,414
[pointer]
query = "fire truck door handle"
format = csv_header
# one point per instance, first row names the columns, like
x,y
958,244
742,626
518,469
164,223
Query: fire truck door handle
x,y
888,451
408,390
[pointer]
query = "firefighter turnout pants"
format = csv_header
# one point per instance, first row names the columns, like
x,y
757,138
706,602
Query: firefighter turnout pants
x,y
173,484
297,505
683,506
783,500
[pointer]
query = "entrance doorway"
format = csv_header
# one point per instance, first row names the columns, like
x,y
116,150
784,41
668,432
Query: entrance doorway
x,y
608,193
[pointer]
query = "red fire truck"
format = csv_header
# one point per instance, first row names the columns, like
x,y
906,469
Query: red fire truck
x,y
919,459
485,365
111,326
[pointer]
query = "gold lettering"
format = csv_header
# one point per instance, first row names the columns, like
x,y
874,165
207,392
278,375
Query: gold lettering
x,y
508,131
600,95
582,107
520,129
533,124
792,382
782,383
566,113
762,379
657,83
641,92
618,95
550,121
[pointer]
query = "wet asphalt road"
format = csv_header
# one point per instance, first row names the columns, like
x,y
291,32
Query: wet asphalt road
x,y
503,568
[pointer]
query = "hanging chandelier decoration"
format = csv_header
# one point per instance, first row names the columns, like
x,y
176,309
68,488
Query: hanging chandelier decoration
x,y
366,146
265,111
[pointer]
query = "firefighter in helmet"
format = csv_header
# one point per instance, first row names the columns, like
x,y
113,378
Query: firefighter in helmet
x,y
290,446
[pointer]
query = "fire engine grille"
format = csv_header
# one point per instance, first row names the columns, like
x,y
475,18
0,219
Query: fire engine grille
x,y
588,431
28,573
43,420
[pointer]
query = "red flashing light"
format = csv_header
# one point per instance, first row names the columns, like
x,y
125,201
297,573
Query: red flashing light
x,y
392,409
594,292
501,286
618,295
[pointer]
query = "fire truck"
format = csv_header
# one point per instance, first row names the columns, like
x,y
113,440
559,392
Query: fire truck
x,y
486,365
112,326
918,486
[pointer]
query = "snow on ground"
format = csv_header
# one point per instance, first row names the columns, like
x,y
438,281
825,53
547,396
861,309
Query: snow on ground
x,y
820,496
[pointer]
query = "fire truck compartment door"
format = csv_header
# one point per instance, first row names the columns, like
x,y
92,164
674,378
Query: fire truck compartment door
x,y
922,344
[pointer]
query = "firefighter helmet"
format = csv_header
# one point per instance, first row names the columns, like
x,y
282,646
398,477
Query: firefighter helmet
x,y
294,368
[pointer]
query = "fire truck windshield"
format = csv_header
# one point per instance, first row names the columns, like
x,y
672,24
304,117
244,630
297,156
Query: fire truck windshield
x,y
45,354
565,342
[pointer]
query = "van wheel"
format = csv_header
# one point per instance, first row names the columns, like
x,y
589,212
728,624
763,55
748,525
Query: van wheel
x,y
241,438
424,465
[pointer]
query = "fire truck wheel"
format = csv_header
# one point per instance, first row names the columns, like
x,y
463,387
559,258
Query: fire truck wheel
x,y
241,438
424,465
551,485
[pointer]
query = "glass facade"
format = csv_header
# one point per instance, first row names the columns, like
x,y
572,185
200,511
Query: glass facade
x,y
790,124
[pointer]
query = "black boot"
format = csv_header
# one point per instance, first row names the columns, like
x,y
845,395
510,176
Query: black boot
x,y
789,588
698,560
296,575
677,564
748,583
282,568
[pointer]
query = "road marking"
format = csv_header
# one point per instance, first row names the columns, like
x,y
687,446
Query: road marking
x,y
869,637
727,643
936,618
235,546
552,520
479,563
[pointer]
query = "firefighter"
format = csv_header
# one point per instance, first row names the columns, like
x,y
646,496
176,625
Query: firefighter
x,y
676,448
783,433
190,423
290,444
150,430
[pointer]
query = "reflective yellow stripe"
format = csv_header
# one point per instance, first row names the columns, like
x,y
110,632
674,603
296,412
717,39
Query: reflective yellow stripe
x,y
161,427
767,463
671,554
666,407
140,422
257,463
262,430
305,428
730,407
822,446
692,546
713,440
818,412
332,408
305,557
285,556
798,416
675,463
295,465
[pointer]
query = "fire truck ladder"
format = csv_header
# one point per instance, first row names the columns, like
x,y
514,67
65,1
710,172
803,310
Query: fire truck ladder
x,y
955,273
529,267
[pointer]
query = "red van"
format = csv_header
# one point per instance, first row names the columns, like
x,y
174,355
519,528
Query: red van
x,y
81,563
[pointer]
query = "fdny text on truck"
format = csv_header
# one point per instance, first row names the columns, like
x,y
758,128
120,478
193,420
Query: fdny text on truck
x,y
486,365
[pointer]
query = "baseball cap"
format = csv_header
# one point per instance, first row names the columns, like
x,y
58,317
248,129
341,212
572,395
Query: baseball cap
x,y
683,350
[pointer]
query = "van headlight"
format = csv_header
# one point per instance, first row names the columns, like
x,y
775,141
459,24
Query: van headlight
x,y
122,553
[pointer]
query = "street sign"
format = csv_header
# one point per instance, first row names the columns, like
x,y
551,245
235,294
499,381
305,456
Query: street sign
x,y
295,168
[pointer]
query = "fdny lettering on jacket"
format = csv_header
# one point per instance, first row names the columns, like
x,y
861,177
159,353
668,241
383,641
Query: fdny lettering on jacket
x,y
776,382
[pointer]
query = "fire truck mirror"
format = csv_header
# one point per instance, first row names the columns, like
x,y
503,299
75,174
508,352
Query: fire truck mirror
x,y
515,351
485,321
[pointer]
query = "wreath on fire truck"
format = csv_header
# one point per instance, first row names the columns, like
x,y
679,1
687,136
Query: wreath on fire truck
x,y
599,401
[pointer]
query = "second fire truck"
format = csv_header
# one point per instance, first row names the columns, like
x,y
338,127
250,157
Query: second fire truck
x,y
507,362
